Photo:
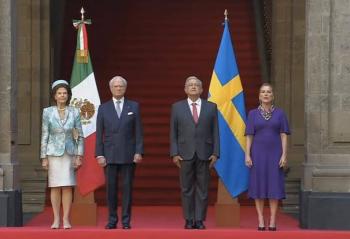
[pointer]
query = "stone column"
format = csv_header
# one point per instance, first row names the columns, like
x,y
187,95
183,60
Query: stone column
x,y
325,196
10,196
287,76
33,84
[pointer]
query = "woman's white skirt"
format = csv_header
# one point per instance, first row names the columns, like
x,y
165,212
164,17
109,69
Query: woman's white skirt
x,y
61,171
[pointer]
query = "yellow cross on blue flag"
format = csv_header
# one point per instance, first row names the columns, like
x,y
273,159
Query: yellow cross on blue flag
x,y
226,91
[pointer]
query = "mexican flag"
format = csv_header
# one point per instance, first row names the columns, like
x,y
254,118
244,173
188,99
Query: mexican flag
x,y
85,96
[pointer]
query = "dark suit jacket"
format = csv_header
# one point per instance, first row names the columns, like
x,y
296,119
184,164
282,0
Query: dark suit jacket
x,y
187,138
119,139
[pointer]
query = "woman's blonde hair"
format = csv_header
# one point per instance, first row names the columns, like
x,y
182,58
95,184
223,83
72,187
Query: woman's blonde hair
x,y
266,84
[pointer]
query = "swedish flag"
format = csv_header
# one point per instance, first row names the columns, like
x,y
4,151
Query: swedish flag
x,y
227,92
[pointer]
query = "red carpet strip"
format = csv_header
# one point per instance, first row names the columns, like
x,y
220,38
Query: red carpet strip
x,y
166,223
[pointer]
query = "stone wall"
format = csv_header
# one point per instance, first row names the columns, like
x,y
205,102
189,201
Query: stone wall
x,y
8,87
287,76
24,86
327,96
34,77
288,40
327,113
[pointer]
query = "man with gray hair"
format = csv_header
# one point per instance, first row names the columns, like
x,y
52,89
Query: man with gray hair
x,y
194,148
119,147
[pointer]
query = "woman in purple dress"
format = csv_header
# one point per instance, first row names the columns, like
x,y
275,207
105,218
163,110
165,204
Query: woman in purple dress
x,y
266,155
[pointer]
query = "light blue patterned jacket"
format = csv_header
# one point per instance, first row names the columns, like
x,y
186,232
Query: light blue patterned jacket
x,y
57,136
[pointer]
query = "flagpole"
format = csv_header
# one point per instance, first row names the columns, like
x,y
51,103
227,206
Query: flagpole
x,y
82,11
83,205
227,209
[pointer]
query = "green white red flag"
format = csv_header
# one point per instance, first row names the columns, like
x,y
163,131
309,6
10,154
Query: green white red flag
x,y
85,96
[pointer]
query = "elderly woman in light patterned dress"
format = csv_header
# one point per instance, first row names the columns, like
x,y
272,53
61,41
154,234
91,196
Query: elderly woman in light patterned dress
x,y
62,147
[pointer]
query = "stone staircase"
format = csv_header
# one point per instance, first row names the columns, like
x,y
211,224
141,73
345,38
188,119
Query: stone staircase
x,y
34,187
291,203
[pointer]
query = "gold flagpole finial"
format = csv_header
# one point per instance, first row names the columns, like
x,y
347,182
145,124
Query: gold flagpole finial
x,y
226,14
82,13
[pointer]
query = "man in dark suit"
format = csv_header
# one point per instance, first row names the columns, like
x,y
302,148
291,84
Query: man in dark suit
x,y
194,139
119,146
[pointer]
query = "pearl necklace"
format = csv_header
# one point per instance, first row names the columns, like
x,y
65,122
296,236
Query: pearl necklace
x,y
266,114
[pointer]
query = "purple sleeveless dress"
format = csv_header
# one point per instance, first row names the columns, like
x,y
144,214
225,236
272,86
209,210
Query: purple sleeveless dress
x,y
266,177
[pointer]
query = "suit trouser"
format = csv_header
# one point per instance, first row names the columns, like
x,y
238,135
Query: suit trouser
x,y
126,172
194,181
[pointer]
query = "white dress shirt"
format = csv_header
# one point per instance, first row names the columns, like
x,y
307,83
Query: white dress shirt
x,y
121,104
198,105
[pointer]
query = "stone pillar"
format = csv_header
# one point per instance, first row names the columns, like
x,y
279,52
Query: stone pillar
x,y
33,84
325,196
10,196
287,76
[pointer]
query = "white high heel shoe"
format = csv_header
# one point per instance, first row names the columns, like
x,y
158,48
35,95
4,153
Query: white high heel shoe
x,y
55,225
66,225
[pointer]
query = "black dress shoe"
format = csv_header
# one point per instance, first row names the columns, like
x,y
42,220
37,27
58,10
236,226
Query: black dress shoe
x,y
199,225
272,229
189,224
111,226
261,228
126,226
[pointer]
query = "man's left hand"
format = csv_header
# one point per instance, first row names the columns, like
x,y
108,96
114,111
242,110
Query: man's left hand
x,y
212,160
137,158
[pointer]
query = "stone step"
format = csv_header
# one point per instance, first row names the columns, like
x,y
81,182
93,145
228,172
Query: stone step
x,y
34,193
291,203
